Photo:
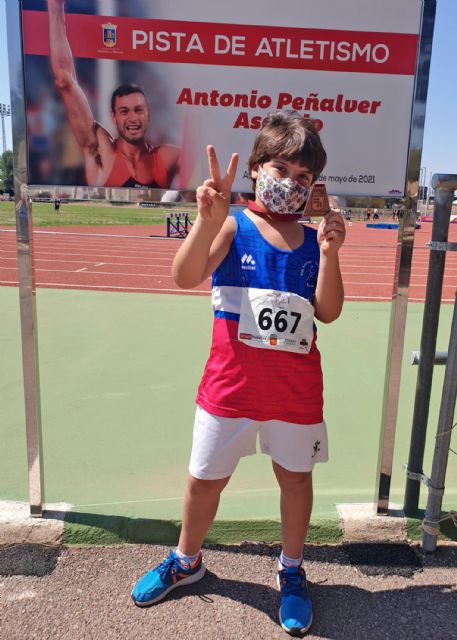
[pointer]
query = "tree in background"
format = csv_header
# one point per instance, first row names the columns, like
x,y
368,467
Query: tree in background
x,y
6,171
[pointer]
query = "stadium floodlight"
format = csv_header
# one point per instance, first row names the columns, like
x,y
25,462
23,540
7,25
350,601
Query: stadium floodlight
x,y
5,112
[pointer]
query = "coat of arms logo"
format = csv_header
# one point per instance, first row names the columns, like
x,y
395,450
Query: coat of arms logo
x,y
109,34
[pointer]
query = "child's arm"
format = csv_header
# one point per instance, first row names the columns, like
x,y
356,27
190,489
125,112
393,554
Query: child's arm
x,y
210,237
329,296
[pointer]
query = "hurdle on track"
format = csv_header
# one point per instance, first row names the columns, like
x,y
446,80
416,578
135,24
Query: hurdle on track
x,y
178,224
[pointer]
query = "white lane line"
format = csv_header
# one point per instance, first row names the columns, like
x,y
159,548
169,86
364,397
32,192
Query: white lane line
x,y
108,288
104,235
447,277
347,297
115,254
179,498
122,274
99,273
386,299
86,270
369,270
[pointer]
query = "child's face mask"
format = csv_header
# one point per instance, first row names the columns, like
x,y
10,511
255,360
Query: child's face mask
x,y
280,195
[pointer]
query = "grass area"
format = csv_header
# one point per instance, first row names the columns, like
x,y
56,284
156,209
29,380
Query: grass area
x,y
85,528
87,214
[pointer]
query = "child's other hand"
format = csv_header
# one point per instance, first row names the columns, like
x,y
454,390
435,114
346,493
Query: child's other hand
x,y
331,232
213,197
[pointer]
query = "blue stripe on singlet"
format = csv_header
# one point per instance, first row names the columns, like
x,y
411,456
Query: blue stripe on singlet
x,y
226,315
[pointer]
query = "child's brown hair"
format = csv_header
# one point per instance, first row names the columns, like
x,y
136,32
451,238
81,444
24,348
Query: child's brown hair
x,y
287,135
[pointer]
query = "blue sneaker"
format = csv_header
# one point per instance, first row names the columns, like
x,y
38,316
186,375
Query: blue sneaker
x,y
296,612
158,582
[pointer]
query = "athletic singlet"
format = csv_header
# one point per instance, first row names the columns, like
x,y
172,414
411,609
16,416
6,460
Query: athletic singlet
x,y
120,175
262,382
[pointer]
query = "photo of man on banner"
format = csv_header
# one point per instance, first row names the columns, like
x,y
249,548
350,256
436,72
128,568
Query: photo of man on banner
x,y
127,160
130,94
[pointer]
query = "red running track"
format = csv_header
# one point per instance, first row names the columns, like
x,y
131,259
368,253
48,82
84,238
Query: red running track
x,y
130,259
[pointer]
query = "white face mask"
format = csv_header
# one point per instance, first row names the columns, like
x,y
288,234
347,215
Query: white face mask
x,y
283,196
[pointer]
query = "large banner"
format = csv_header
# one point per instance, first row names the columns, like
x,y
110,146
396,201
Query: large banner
x,y
128,94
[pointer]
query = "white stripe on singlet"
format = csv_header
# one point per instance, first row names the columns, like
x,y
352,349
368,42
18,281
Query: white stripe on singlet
x,y
227,299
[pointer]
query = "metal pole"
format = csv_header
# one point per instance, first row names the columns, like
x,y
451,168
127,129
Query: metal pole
x,y
24,234
443,441
394,358
444,187
27,301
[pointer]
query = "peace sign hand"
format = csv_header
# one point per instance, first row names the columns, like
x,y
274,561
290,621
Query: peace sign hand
x,y
213,197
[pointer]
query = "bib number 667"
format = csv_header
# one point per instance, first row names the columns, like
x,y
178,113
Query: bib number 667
x,y
281,320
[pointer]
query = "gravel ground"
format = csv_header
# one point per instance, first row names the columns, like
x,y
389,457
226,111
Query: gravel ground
x,y
49,593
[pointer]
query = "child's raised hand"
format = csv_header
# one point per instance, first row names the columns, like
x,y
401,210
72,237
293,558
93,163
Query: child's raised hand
x,y
213,197
331,232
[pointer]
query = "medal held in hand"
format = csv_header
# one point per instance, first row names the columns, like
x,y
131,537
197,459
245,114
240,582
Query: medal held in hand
x,y
317,203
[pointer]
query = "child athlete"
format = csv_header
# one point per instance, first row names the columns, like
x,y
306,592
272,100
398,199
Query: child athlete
x,y
271,277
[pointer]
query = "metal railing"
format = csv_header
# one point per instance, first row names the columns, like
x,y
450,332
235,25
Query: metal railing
x,y
444,186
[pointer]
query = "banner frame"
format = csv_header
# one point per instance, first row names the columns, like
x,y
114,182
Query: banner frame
x,y
29,328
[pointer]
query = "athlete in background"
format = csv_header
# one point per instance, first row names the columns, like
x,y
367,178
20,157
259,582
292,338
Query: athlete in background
x,y
128,160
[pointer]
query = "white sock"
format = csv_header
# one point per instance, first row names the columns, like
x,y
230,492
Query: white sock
x,y
186,559
285,562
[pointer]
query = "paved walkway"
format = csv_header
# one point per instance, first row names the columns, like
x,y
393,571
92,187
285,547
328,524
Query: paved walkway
x,y
373,584
59,593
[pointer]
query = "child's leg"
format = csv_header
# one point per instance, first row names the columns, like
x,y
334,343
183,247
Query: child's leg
x,y
200,506
201,501
217,445
296,447
296,505
296,611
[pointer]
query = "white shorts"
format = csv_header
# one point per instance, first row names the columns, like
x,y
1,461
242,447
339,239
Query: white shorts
x,y
218,444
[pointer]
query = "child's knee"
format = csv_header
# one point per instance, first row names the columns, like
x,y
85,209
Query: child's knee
x,y
292,480
199,487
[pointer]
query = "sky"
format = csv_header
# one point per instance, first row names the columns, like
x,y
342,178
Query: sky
x,y
439,153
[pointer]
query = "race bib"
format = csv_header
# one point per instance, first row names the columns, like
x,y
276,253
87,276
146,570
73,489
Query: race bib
x,y
279,320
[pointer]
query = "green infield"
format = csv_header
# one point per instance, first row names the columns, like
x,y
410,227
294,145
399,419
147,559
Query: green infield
x,y
117,401
89,214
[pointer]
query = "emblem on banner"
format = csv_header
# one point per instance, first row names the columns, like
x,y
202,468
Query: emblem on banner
x,y
109,34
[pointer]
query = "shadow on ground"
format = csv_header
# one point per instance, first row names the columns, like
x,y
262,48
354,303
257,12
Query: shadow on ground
x,y
28,559
344,611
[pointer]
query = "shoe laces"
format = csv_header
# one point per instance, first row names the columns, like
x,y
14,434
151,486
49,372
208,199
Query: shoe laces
x,y
293,583
168,565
